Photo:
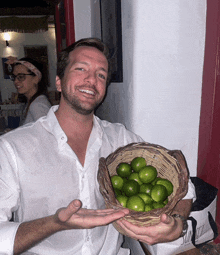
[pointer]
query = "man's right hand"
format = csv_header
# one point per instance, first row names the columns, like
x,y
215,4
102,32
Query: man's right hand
x,y
76,217
71,217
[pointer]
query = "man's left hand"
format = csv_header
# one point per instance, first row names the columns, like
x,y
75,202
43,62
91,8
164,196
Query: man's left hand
x,y
168,229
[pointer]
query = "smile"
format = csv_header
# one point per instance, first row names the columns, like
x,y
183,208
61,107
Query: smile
x,y
87,91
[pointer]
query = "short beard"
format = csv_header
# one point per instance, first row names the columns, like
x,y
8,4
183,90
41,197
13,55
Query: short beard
x,y
76,105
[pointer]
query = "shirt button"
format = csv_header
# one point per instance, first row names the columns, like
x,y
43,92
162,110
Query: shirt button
x,y
87,239
62,138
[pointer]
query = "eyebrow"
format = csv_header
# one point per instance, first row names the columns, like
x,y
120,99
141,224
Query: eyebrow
x,y
85,63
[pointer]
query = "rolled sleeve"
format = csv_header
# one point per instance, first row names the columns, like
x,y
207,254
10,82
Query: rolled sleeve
x,y
7,236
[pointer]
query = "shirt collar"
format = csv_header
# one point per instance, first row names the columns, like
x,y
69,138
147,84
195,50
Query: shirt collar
x,y
54,125
57,131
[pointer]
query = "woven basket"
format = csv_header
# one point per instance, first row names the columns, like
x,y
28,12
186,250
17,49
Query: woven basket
x,y
169,164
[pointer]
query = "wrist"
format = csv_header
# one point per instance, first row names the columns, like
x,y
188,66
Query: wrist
x,y
184,223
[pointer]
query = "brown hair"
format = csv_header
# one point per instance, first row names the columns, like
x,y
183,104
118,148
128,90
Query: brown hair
x,y
63,56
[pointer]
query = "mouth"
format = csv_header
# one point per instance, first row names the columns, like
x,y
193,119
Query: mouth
x,y
87,91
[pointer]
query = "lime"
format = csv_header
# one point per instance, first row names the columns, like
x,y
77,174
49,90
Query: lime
x,y
135,177
147,198
146,188
136,203
131,188
148,208
159,193
117,192
147,174
124,169
138,163
122,200
168,185
158,205
155,180
117,182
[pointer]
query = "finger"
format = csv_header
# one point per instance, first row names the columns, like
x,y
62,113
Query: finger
x,y
166,219
72,208
109,218
109,211
129,232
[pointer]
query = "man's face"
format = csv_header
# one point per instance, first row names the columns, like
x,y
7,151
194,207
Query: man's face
x,y
83,86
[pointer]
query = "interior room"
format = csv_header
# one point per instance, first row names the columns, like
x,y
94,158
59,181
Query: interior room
x,y
165,86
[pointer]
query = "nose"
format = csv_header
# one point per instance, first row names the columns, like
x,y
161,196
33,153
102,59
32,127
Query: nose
x,y
91,77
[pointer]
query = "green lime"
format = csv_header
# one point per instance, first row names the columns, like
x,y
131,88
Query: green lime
x,y
155,180
117,182
159,193
124,169
135,177
168,185
146,188
158,205
122,200
131,188
147,198
136,203
138,163
147,174
148,208
117,192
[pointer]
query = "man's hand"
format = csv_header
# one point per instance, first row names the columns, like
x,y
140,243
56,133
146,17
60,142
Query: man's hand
x,y
75,217
168,229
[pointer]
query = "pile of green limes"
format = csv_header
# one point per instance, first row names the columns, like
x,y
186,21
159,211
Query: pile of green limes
x,y
138,187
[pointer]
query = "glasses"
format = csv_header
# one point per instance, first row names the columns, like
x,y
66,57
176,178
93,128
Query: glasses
x,y
20,76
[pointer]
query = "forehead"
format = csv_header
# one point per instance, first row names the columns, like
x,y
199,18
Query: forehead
x,y
88,54
20,69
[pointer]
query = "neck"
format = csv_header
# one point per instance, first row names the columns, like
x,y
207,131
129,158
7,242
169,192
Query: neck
x,y
77,128
74,123
30,95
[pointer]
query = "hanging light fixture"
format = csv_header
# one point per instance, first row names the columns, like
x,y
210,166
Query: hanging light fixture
x,y
7,39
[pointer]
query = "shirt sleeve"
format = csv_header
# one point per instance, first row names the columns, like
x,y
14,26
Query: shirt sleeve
x,y
9,198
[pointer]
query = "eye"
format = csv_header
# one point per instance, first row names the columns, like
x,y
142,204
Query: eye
x,y
102,76
79,69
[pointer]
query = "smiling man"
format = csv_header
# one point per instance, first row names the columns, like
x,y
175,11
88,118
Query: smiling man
x,y
48,170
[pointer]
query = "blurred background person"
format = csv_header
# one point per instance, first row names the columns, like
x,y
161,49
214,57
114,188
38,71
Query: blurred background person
x,y
27,78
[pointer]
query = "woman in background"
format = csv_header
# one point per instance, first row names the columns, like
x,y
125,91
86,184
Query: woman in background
x,y
27,80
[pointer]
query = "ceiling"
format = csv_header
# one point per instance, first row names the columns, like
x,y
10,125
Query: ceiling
x,y
24,7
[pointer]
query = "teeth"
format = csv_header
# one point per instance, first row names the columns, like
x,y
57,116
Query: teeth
x,y
87,91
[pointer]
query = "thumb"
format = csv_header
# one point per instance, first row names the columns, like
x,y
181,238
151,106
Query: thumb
x,y
166,219
67,212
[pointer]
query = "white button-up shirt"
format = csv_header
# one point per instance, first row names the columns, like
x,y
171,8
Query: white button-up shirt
x,y
40,173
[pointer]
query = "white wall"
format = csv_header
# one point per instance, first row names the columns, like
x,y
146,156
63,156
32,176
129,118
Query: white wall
x,y
163,52
17,43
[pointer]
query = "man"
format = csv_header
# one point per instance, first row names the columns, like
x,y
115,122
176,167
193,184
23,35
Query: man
x,y
48,174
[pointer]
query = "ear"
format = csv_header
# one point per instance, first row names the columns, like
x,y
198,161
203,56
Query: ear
x,y
58,83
